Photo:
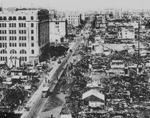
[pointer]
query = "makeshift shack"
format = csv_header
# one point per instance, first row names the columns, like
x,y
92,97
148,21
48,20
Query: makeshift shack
x,y
93,98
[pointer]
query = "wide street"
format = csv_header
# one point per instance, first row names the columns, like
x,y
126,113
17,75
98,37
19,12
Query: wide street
x,y
36,103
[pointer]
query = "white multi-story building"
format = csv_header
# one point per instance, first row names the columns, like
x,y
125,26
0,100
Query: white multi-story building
x,y
126,33
58,30
73,18
23,33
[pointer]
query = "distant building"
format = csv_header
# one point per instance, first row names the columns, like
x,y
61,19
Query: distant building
x,y
126,33
23,35
73,18
93,99
58,30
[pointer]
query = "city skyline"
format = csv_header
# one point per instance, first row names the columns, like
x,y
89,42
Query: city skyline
x,y
79,5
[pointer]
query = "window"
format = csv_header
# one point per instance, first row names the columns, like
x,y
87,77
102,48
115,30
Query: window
x,y
23,58
3,58
32,44
3,45
4,18
19,24
3,51
22,24
23,52
32,18
32,25
14,18
32,31
19,18
12,31
32,51
13,52
13,44
24,31
19,31
57,23
24,18
10,18
22,44
32,38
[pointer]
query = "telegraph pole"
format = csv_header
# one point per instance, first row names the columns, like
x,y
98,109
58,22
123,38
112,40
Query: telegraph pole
x,y
138,46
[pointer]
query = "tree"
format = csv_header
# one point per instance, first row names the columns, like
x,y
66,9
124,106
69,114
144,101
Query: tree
x,y
14,97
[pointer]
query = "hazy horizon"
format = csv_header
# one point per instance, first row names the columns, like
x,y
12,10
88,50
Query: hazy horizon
x,y
78,5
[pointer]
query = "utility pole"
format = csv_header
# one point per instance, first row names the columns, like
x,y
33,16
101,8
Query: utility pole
x,y
138,46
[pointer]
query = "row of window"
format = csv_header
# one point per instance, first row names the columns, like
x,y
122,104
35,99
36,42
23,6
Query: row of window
x,y
22,31
73,16
14,24
12,44
15,45
22,44
22,37
2,31
12,31
21,58
22,24
2,24
15,52
15,38
3,58
3,37
15,18
3,45
12,38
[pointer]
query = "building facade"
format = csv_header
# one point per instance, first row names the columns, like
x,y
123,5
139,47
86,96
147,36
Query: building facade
x,y
126,33
73,18
58,30
20,40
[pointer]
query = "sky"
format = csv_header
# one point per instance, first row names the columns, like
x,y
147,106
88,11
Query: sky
x,y
78,5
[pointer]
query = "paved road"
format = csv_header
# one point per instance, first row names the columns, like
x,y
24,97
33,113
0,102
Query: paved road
x,y
36,101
